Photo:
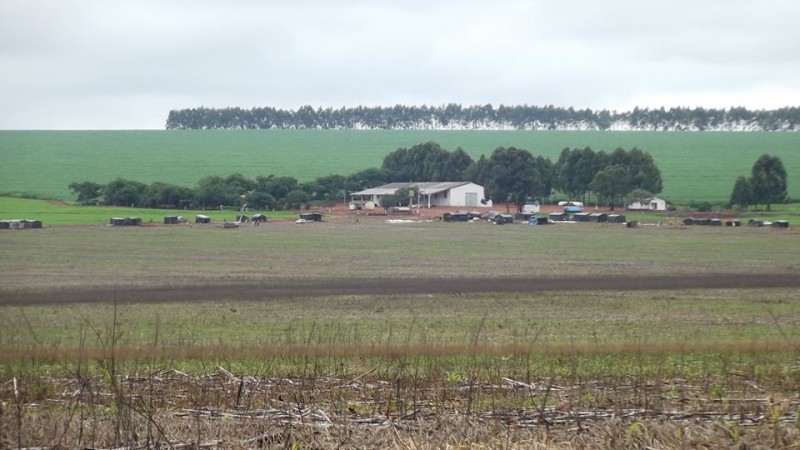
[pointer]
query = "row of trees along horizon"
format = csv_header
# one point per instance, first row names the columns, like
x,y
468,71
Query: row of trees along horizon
x,y
509,175
455,116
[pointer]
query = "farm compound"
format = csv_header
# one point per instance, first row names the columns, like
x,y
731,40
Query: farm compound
x,y
431,194
125,221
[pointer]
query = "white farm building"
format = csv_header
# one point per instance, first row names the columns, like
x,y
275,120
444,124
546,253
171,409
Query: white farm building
x,y
652,204
436,193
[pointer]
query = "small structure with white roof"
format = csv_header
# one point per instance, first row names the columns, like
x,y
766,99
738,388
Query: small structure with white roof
x,y
436,193
651,204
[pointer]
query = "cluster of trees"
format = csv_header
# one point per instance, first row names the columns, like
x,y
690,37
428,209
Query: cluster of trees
x,y
766,185
454,116
516,175
612,177
508,175
236,190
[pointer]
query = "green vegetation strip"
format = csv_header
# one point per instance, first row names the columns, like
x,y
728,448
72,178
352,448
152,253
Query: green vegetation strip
x,y
546,322
58,213
689,334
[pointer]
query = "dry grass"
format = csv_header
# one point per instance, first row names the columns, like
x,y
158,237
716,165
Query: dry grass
x,y
170,409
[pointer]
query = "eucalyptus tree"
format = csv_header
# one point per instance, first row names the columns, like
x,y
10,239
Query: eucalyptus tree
x,y
768,181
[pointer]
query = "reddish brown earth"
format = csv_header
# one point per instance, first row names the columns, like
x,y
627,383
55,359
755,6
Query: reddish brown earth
x,y
305,288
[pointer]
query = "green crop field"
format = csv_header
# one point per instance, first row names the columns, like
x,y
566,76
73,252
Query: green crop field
x,y
694,166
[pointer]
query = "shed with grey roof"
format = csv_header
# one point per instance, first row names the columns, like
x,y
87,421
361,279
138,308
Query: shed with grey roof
x,y
428,194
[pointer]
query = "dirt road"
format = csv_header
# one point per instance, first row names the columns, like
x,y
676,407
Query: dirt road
x,y
291,288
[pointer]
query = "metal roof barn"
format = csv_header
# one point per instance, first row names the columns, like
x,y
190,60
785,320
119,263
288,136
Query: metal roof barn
x,y
434,193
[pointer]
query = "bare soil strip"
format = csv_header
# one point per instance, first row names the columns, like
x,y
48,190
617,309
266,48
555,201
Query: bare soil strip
x,y
305,288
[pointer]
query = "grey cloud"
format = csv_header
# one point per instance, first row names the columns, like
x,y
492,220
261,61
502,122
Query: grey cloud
x,y
124,64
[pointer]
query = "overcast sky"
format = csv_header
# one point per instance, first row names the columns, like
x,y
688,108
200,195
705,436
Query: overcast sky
x,y
108,64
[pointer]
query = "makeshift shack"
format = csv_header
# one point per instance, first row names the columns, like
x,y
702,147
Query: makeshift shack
x,y
632,224
170,220
201,218
780,224
697,221
615,218
559,216
312,216
27,223
258,218
502,219
19,224
580,217
598,217
489,216
733,223
456,216
125,221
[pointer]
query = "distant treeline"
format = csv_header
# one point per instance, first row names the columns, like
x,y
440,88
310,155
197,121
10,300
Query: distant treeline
x,y
508,174
486,117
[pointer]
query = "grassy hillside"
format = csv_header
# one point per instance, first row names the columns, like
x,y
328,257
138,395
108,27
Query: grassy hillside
x,y
695,166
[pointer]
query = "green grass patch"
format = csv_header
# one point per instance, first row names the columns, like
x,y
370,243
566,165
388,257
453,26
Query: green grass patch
x,y
542,322
59,213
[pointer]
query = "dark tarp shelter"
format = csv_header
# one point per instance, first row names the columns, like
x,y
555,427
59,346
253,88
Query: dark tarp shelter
x,y
456,216
501,219
598,217
312,216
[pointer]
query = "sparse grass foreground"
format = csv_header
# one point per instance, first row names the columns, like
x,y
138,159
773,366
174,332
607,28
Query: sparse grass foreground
x,y
676,369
